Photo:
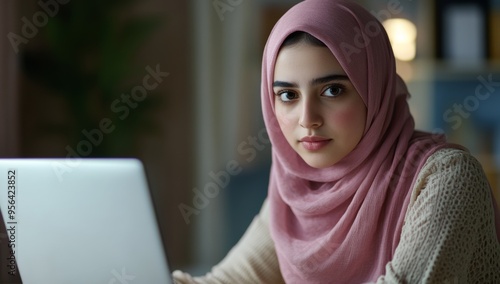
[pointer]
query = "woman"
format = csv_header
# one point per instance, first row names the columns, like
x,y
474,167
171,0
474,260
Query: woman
x,y
356,195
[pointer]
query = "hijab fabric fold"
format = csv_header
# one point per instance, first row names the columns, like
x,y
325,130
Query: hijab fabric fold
x,y
342,224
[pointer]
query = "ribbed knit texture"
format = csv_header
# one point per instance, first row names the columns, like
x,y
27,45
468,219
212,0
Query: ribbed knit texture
x,y
449,233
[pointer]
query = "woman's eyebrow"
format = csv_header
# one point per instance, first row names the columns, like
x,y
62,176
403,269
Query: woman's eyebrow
x,y
326,79
284,84
316,81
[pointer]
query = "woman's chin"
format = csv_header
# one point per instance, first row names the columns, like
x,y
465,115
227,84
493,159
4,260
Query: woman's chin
x,y
319,162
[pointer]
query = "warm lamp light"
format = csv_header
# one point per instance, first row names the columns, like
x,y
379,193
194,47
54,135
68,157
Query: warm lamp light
x,y
402,34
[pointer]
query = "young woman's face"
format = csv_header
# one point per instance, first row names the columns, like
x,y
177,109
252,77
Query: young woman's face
x,y
319,111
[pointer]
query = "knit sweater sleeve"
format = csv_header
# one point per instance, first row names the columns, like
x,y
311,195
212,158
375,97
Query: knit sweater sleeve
x,y
252,260
449,231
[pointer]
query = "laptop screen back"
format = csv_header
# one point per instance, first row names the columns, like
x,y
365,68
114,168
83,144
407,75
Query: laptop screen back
x,y
82,221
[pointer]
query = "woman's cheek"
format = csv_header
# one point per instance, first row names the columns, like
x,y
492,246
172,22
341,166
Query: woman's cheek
x,y
286,120
341,118
351,118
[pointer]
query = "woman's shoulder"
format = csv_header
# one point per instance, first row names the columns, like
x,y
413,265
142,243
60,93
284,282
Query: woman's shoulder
x,y
451,158
450,220
450,167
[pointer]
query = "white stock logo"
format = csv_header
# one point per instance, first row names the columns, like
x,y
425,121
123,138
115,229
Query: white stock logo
x,y
122,278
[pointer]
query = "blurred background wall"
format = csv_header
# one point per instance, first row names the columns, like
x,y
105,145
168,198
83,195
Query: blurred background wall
x,y
104,79
9,125
67,65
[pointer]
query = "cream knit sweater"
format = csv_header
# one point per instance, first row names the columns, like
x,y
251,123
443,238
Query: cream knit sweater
x,y
448,235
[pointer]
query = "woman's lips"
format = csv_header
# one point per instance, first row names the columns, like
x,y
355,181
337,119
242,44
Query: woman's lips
x,y
314,143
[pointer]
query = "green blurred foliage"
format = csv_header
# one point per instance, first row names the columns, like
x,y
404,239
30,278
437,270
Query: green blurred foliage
x,y
92,47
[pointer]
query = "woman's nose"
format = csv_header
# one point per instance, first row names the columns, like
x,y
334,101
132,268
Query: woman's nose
x,y
310,116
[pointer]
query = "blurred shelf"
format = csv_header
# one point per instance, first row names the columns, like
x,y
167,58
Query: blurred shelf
x,y
431,70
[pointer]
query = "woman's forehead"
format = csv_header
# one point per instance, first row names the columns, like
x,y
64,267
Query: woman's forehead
x,y
304,59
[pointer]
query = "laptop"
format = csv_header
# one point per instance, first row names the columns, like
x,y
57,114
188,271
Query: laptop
x,y
79,221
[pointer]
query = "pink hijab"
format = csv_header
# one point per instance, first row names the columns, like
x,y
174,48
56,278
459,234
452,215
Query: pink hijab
x,y
343,223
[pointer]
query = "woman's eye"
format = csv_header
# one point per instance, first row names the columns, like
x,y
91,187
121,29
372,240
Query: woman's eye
x,y
334,91
287,96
